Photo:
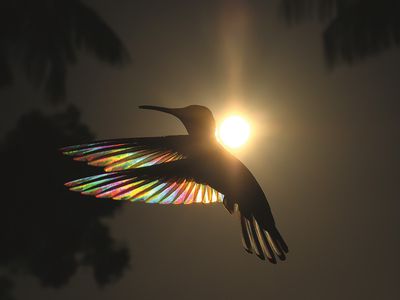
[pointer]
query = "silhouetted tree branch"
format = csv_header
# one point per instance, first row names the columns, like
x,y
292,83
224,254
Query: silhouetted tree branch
x,y
45,230
46,36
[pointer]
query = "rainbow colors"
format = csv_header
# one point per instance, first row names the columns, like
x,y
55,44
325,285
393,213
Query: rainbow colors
x,y
120,156
121,182
121,186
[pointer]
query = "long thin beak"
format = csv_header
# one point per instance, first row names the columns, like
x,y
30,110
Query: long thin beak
x,y
172,111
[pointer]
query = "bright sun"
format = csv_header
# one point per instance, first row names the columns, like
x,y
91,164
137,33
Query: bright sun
x,y
233,132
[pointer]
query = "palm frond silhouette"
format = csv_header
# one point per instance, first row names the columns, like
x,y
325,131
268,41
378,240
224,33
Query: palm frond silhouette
x,y
355,29
46,36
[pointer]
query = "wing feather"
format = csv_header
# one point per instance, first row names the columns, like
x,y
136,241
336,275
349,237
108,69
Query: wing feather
x,y
142,187
185,194
125,154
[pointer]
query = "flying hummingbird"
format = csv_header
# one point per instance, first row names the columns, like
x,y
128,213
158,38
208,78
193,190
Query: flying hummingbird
x,y
182,169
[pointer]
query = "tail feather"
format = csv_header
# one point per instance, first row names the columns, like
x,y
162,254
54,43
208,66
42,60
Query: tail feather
x,y
281,241
255,239
245,234
268,252
276,247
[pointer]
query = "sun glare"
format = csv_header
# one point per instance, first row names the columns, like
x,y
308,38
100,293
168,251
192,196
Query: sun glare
x,y
233,132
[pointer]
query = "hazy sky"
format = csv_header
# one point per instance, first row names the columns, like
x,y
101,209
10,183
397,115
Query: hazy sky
x,y
325,149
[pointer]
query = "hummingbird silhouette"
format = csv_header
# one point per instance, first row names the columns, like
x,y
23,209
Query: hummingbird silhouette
x,y
182,169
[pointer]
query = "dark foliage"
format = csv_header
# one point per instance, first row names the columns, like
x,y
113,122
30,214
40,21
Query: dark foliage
x,y
45,37
45,230
356,29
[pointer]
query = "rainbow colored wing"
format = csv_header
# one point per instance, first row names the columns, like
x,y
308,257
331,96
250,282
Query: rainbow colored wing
x,y
142,188
151,170
124,154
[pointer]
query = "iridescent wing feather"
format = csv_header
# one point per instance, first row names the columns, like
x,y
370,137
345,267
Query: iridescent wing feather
x,y
126,185
124,154
151,170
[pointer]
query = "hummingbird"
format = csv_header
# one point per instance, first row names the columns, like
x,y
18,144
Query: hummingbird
x,y
182,169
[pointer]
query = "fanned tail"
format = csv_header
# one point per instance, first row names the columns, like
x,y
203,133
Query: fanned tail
x,y
264,242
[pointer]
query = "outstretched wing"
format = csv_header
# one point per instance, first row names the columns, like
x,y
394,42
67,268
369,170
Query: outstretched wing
x,y
124,154
164,184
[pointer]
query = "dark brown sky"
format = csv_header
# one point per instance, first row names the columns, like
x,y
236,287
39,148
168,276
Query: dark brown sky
x,y
325,150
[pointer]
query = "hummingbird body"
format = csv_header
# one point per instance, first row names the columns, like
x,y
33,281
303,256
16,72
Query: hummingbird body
x,y
186,169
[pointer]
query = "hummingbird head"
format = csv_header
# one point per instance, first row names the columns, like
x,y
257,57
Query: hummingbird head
x,y
198,120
